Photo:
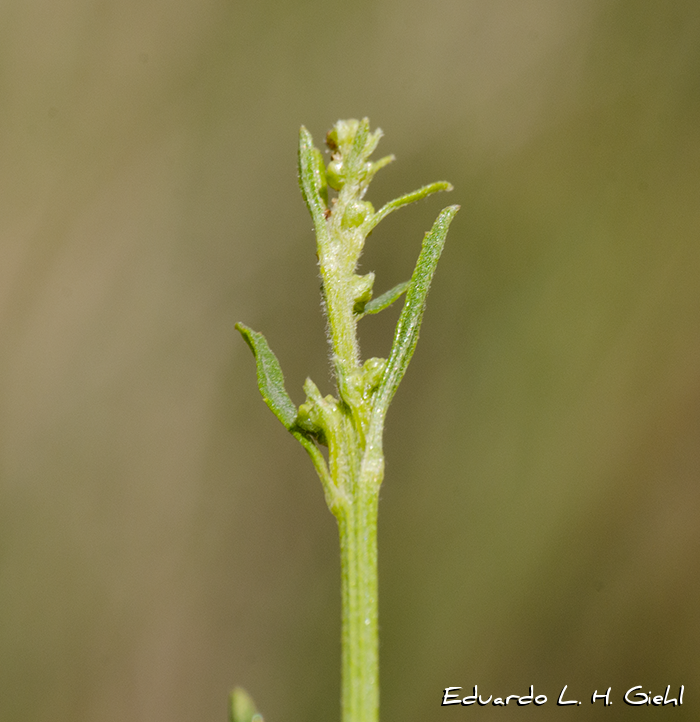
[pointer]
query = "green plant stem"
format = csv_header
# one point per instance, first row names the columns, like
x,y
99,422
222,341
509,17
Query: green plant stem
x,y
355,508
352,425
360,659
356,457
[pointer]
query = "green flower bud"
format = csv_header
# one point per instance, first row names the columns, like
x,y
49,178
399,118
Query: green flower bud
x,y
373,370
335,174
319,415
357,213
308,420
341,136
362,290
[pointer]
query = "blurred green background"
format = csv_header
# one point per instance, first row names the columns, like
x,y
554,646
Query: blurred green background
x,y
162,538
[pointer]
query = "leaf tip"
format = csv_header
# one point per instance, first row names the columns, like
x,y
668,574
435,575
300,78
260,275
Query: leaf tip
x,y
305,139
248,335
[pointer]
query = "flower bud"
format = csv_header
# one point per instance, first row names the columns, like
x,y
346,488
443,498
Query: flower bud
x,y
357,213
335,174
373,370
362,290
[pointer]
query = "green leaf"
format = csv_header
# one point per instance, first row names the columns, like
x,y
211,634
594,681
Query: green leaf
x,y
408,326
312,182
362,146
404,200
385,300
271,385
270,377
242,708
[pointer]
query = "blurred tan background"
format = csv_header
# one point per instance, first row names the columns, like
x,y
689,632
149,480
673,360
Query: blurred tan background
x,y
162,538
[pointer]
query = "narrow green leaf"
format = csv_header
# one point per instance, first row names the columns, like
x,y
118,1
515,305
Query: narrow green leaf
x,y
311,182
404,200
333,497
270,377
360,149
408,326
242,708
379,164
271,385
385,300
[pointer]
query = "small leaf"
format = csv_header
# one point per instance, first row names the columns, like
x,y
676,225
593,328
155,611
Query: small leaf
x,y
404,200
271,385
312,183
270,377
377,165
385,300
320,181
362,146
242,707
408,326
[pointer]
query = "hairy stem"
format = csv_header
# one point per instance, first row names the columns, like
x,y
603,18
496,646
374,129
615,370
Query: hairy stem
x,y
360,642
352,425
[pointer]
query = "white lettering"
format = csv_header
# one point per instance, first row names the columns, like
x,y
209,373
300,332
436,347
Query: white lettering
x,y
562,701
471,698
673,701
605,696
643,697
448,698
526,699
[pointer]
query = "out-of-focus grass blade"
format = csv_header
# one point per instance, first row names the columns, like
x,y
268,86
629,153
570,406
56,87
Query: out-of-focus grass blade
x,y
270,377
408,326
242,707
